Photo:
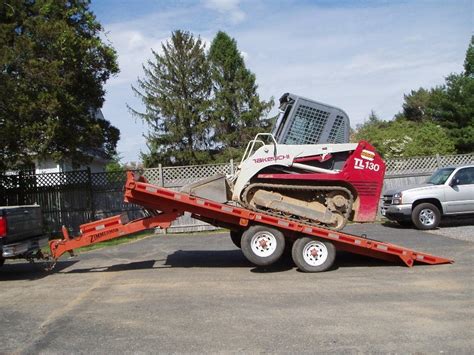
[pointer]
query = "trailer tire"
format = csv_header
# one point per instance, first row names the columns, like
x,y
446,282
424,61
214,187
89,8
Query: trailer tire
x,y
236,237
313,255
262,245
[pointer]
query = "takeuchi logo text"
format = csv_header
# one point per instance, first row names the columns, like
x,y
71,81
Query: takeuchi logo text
x,y
267,159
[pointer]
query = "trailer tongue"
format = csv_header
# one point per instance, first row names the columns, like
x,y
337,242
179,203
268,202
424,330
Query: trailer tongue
x,y
262,236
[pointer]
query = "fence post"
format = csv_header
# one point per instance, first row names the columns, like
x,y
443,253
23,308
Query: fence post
x,y
161,180
91,194
232,166
438,161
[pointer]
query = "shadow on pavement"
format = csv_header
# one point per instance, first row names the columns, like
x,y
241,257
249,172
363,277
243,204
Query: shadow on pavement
x,y
30,271
137,265
207,258
457,221
224,259
467,220
392,224
346,259
235,258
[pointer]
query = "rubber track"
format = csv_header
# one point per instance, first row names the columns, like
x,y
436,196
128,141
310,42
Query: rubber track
x,y
273,187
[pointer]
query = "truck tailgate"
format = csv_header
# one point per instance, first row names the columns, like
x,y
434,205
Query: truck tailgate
x,y
23,222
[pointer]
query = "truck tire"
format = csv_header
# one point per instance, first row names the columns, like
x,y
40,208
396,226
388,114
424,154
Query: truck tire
x,y
313,255
425,216
262,245
236,238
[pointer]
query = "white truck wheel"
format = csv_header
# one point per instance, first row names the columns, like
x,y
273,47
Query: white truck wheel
x,y
426,216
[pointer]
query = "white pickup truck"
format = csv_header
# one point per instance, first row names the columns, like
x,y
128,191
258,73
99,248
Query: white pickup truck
x,y
21,232
449,191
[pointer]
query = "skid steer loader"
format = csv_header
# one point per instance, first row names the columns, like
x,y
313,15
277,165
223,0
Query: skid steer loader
x,y
304,170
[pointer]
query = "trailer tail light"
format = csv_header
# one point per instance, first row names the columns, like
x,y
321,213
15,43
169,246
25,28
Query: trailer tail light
x,y
3,227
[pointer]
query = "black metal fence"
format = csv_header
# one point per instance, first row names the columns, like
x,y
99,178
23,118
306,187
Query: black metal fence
x,y
77,197
70,198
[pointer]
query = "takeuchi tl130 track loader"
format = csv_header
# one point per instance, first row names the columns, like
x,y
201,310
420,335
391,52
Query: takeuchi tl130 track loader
x,y
291,174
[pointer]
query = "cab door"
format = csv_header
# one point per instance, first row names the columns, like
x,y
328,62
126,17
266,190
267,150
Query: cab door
x,y
460,192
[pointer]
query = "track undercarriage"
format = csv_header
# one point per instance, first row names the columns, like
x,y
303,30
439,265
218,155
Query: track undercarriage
x,y
328,206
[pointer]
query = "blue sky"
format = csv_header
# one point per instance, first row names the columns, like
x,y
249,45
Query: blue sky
x,y
357,55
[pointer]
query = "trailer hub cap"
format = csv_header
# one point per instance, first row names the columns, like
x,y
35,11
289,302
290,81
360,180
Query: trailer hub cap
x,y
315,253
263,244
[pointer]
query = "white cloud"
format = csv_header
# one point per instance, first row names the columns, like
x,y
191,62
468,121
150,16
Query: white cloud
x,y
228,8
355,58
134,48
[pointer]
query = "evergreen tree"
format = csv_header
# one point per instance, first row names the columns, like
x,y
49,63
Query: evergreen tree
x,y
455,111
53,66
238,113
469,61
417,105
175,91
373,117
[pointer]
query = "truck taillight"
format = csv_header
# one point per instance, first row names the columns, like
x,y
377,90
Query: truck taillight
x,y
3,227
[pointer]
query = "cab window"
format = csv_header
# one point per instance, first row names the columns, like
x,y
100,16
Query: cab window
x,y
465,176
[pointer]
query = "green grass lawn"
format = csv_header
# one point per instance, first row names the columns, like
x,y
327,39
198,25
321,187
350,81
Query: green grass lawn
x,y
122,240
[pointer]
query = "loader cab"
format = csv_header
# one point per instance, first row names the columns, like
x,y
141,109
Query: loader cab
x,y
305,121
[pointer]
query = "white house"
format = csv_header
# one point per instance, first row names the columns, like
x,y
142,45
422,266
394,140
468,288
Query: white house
x,y
97,165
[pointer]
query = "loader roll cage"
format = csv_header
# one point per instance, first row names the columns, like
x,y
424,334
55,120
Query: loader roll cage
x,y
250,149
262,237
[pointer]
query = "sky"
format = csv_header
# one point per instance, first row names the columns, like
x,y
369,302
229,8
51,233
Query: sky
x,y
356,55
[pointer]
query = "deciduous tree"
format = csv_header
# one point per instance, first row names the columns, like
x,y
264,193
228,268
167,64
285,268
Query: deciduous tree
x,y
53,66
402,138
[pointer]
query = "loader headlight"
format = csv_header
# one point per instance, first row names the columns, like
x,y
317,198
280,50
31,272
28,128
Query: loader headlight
x,y
397,198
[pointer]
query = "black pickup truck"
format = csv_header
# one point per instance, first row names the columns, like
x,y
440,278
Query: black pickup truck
x,y
21,232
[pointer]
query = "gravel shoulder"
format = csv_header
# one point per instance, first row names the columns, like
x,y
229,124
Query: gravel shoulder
x,y
457,228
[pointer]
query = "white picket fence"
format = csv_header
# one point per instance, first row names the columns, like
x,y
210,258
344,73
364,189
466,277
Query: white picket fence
x,y
408,171
399,172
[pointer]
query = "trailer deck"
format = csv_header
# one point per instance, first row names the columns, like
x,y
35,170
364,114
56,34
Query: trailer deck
x,y
172,204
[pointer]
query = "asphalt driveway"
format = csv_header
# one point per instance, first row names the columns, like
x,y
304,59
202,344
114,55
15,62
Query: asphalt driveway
x,y
197,293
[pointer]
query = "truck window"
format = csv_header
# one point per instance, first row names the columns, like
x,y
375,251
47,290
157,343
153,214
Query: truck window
x,y
440,176
465,176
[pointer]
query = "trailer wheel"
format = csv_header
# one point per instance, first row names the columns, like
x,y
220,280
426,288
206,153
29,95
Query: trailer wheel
x,y
236,237
263,245
313,255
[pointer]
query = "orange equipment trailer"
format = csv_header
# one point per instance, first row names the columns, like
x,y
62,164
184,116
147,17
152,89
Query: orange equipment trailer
x,y
262,237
